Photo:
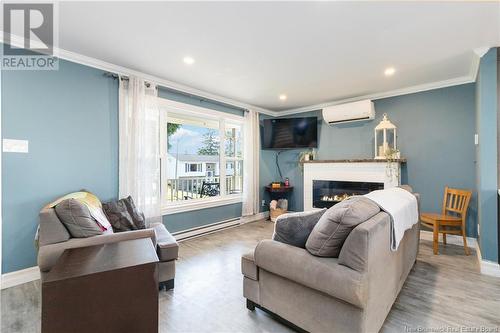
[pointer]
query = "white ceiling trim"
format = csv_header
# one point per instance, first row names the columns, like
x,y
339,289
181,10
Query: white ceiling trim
x,y
106,66
398,92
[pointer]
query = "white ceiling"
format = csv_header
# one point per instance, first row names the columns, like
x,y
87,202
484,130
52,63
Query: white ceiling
x,y
312,52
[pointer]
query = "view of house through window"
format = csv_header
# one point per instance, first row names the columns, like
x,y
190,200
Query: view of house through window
x,y
194,158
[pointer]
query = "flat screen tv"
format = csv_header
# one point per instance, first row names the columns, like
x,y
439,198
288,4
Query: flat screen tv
x,y
290,133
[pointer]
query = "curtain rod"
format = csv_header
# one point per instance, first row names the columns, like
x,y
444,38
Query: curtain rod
x,y
115,76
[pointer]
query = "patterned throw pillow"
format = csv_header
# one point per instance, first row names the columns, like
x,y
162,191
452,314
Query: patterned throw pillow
x,y
124,215
118,216
137,216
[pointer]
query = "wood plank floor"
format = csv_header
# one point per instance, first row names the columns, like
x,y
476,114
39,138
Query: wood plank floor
x,y
444,291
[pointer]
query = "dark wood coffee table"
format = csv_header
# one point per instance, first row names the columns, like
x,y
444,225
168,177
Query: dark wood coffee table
x,y
103,288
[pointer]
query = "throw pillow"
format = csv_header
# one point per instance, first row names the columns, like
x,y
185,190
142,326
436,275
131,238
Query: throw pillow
x,y
118,216
77,218
91,201
329,234
294,228
137,216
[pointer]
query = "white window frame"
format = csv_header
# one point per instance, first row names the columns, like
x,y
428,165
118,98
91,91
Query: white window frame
x,y
167,106
187,167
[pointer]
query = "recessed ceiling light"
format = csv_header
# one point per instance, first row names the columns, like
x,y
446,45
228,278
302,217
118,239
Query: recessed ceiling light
x,y
283,97
389,71
188,60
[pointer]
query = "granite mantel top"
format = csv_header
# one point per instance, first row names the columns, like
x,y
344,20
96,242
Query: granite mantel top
x,y
360,160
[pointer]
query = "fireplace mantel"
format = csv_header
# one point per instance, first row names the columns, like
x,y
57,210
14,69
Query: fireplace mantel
x,y
359,160
353,170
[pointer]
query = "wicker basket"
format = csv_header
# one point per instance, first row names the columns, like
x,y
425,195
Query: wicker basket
x,y
275,212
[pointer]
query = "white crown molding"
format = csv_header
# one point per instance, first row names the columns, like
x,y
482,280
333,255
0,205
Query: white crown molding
x,y
392,93
106,66
477,54
19,277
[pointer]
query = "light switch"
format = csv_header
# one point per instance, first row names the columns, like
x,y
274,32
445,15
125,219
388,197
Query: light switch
x,y
476,139
15,146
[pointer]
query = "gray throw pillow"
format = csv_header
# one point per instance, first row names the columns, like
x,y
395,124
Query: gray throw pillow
x,y
77,219
137,216
294,228
118,216
329,234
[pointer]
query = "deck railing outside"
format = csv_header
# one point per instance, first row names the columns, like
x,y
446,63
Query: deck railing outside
x,y
188,188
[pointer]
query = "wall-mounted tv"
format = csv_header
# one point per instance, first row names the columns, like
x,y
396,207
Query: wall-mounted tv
x,y
290,133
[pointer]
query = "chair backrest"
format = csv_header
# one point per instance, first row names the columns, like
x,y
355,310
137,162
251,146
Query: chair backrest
x,y
456,202
209,189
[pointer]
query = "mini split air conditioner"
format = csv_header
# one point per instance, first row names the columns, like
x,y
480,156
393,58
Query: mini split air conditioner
x,y
346,113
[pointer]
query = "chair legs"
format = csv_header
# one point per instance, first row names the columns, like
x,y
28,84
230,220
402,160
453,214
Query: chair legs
x,y
466,249
444,238
435,237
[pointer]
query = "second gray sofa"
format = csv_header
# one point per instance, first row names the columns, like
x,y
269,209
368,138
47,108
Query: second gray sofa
x,y
54,238
351,293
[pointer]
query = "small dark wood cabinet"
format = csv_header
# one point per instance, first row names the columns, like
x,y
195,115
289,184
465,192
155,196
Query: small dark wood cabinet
x,y
102,288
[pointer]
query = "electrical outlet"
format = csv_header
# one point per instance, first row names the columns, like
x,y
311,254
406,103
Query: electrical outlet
x,y
263,203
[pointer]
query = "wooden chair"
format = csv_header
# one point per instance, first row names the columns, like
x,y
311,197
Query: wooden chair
x,y
452,218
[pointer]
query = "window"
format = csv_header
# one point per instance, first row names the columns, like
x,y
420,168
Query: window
x,y
201,158
192,167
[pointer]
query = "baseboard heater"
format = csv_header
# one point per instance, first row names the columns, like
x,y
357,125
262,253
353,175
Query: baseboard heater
x,y
205,229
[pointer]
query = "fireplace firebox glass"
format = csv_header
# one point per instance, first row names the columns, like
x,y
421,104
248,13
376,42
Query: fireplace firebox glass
x,y
327,193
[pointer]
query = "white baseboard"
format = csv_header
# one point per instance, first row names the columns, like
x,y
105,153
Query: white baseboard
x,y
487,267
453,239
253,218
207,229
218,226
19,277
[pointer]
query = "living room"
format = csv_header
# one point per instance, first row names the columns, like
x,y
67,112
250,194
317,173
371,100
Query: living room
x,y
250,166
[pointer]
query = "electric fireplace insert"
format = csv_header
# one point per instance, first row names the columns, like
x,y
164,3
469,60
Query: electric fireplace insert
x,y
327,193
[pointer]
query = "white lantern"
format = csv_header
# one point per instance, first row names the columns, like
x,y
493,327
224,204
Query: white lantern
x,y
385,140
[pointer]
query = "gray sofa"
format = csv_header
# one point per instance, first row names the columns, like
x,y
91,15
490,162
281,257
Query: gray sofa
x,y
54,238
351,293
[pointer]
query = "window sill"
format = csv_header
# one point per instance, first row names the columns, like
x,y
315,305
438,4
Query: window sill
x,y
190,205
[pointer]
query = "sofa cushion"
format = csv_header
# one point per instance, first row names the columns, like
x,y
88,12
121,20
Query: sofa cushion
x,y
118,216
77,218
294,228
329,234
322,274
248,267
166,245
51,229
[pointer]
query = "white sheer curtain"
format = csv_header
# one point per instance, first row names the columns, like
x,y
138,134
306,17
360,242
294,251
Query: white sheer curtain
x,y
251,164
139,131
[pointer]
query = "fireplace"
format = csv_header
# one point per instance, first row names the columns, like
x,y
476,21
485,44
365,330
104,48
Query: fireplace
x,y
327,193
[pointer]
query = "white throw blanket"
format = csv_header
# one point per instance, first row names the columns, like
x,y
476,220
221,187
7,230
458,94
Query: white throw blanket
x,y
402,206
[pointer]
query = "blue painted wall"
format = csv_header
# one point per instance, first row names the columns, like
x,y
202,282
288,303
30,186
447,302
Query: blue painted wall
x,y
70,118
486,112
435,133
